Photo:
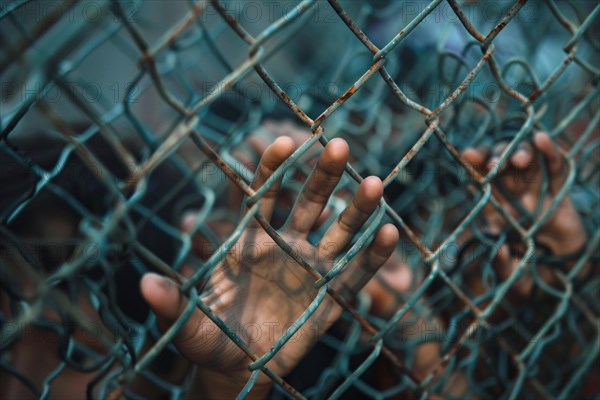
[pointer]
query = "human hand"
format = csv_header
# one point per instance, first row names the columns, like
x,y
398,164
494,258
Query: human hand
x,y
246,155
522,179
249,152
257,284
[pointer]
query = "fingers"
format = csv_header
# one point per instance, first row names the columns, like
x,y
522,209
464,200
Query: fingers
x,y
520,159
523,159
318,188
366,264
523,156
554,160
352,279
273,157
520,173
339,235
476,159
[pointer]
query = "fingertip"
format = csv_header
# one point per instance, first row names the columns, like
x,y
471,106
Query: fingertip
x,y
151,285
372,188
337,150
282,148
473,157
543,142
160,293
521,158
388,237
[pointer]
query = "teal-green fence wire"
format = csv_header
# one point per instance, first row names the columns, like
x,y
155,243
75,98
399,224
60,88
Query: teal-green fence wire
x,y
121,119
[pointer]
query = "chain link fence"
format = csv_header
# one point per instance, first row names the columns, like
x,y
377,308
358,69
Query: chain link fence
x,y
121,118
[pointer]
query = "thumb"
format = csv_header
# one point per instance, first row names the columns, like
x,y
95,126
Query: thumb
x,y
168,303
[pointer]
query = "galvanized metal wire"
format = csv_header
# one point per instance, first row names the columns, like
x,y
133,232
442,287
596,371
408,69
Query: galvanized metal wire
x,y
122,117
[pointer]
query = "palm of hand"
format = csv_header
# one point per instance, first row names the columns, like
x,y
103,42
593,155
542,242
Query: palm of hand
x,y
259,291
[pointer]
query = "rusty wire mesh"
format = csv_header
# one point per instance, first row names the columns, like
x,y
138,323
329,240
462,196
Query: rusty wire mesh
x,y
123,116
